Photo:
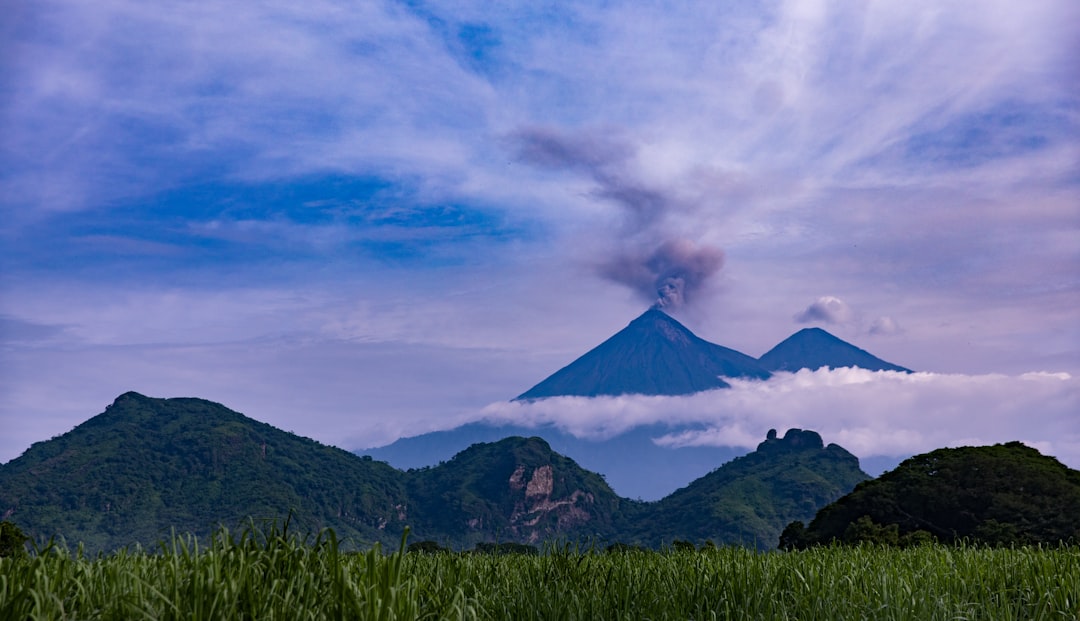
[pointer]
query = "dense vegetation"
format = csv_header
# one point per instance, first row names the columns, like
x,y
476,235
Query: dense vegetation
x,y
147,466
275,576
516,489
750,497
998,495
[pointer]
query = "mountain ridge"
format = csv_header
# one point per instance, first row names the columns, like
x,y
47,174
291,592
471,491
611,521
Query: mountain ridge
x,y
145,466
797,468
652,349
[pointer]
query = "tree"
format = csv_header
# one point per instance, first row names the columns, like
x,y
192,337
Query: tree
x,y
793,537
865,530
681,545
12,540
428,547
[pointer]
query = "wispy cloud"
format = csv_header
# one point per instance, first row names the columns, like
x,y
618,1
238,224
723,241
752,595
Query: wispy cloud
x,y
435,172
869,413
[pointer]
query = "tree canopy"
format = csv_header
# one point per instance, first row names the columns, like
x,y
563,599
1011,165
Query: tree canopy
x,y
997,495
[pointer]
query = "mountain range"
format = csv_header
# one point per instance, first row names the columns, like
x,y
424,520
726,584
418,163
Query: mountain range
x,y
654,355
146,467
657,355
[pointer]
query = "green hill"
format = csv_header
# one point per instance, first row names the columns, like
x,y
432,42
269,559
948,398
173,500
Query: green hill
x,y
1001,494
147,466
750,499
515,489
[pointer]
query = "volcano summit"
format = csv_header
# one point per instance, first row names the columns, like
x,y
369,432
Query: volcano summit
x,y
657,355
654,355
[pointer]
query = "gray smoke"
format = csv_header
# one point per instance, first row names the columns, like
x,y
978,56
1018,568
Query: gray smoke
x,y
666,269
586,152
668,275
604,158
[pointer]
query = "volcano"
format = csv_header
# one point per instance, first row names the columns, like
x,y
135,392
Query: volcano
x,y
814,348
654,355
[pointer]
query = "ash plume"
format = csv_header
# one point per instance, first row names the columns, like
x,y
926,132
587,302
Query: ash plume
x,y
668,275
664,268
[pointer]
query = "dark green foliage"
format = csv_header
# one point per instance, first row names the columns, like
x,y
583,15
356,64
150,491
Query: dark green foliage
x,y
620,547
146,466
750,499
997,495
682,546
12,540
865,530
794,536
427,547
515,489
506,547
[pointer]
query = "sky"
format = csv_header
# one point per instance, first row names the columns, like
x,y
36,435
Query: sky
x,y
363,220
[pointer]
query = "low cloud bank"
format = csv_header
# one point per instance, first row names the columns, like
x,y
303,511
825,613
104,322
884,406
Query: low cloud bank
x,y
870,413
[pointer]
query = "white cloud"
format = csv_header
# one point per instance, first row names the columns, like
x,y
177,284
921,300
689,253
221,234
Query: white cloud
x,y
869,413
869,149
826,309
885,325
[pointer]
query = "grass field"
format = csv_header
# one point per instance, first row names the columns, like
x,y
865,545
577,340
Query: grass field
x,y
255,576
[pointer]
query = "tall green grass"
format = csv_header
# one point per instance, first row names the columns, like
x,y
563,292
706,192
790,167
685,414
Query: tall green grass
x,y
274,576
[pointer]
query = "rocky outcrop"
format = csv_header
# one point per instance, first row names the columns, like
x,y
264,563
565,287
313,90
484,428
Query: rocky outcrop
x,y
539,513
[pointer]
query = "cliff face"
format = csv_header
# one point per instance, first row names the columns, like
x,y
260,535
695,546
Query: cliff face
x,y
541,512
517,488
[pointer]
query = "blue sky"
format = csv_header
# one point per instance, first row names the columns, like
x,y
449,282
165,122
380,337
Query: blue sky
x,y
358,220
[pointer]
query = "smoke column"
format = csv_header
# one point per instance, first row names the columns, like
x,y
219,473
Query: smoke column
x,y
665,269
669,274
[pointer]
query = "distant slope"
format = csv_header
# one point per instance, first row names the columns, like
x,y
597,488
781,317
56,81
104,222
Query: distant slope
x,y
631,462
514,489
145,466
1006,493
814,348
752,498
653,355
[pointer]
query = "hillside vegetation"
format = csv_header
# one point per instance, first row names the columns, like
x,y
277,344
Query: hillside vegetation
x,y
999,495
147,466
749,498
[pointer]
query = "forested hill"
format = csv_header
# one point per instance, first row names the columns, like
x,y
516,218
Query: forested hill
x,y
148,466
519,489
785,479
1004,494
145,466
